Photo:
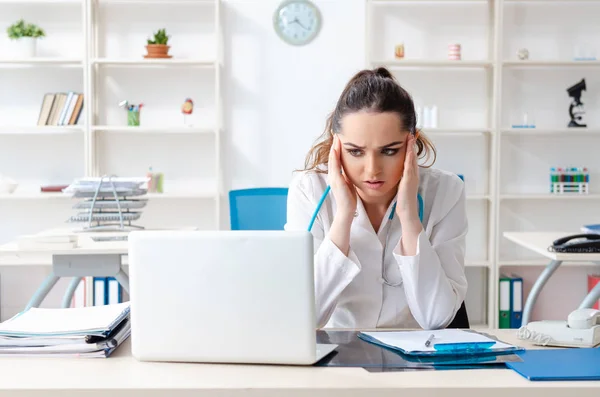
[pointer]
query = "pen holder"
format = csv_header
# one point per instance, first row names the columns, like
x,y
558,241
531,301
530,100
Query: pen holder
x,y
133,118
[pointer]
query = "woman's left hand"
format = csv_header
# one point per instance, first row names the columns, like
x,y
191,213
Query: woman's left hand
x,y
407,206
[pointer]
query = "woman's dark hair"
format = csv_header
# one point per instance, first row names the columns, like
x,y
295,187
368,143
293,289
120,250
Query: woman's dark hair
x,y
374,91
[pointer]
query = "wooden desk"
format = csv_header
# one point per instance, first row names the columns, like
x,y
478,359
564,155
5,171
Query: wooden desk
x,y
539,242
121,375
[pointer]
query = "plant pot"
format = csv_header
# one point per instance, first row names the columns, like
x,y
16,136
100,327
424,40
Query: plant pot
x,y
157,51
24,47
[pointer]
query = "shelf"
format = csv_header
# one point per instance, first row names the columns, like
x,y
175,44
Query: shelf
x,y
415,63
456,131
548,196
550,1
544,131
550,64
26,2
41,61
153,130
33,193
387,2
41,130
541,263
154,62
30,194
165,2
182,194
474,197
482,263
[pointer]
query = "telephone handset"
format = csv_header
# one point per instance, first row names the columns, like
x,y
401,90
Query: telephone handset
x,y
577,243
582,329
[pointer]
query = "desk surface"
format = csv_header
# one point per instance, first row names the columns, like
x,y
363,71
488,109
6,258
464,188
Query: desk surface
x,y
85,245
540,241
12,254
122,375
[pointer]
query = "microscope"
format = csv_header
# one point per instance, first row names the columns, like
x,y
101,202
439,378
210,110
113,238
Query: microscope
x,y
576,110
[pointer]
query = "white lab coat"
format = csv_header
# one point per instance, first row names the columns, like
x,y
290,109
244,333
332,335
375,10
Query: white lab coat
x,y
349,290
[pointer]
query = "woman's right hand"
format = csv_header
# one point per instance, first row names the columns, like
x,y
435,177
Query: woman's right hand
x,y
343,190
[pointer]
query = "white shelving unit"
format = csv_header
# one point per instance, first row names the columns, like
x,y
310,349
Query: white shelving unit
x,y
506,169
101,56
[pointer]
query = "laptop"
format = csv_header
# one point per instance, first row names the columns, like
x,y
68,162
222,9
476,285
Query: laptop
x,y
223,297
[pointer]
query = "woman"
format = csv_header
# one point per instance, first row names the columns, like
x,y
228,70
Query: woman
x,y
377,264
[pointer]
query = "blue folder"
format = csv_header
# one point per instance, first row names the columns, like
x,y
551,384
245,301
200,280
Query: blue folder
x,y
559,364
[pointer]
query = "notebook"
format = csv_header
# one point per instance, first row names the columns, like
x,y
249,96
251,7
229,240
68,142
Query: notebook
x,y
443,342
558,364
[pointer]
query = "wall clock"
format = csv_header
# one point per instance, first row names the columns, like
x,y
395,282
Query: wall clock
x,y
297,22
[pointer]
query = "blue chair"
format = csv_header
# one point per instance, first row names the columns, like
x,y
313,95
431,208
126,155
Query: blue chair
x,y
258,208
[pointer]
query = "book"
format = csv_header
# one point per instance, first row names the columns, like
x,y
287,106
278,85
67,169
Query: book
x,y
46,108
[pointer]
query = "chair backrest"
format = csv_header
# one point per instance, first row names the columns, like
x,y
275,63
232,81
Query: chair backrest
x,y
258,208
461,320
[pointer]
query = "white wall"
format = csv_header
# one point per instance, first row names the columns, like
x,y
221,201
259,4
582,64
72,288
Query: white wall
x,y
278,96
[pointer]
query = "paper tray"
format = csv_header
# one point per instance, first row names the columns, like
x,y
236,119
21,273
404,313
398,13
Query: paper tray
x,y
105,216
112,204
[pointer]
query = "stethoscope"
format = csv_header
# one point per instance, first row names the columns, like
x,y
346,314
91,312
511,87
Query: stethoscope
x,y
383,277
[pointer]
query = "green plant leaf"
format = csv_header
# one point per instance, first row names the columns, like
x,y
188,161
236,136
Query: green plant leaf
x,y
22,29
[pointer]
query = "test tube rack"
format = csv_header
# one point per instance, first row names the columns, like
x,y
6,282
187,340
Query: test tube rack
x,y
569,180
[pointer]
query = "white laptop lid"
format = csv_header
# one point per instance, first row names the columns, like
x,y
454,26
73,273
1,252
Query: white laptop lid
x,y
222,296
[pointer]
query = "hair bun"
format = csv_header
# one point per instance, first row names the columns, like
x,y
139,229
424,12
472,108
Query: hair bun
x,y
383,72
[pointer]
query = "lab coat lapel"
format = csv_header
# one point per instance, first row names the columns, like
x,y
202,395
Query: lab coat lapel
x,y
361,219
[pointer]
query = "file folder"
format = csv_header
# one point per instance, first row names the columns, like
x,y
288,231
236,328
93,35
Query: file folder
x,y
516,295
100,291
558,364
114,291
504,302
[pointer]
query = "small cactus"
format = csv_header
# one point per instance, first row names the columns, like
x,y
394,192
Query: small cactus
x,y
160,37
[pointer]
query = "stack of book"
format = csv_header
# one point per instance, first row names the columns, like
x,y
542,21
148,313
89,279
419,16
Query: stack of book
x,y
94,331
63,108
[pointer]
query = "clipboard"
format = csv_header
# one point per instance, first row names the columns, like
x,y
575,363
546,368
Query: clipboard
x,y
446,342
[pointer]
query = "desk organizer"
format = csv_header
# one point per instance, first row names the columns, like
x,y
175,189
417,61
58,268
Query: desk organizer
x,y
569,180
108,202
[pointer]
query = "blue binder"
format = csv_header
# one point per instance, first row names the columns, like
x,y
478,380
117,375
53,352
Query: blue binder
x,y
558,364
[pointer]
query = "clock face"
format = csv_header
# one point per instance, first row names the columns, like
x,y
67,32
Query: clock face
x,y
297,22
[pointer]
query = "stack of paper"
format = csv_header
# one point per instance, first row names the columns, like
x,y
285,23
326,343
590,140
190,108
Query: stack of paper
x,y
94,331
439,342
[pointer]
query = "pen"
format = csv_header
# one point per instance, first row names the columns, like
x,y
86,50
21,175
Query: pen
x,y
428,341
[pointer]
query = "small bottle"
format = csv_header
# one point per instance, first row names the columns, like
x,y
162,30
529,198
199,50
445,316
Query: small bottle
x,y
150,177
434,117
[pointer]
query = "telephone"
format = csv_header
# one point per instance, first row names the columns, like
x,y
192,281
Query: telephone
x,y
582,329
578,243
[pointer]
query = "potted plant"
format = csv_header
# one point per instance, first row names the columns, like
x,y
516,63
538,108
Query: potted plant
x,y
157,47
25,36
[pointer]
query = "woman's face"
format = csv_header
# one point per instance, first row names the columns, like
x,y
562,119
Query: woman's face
x,y
373,152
